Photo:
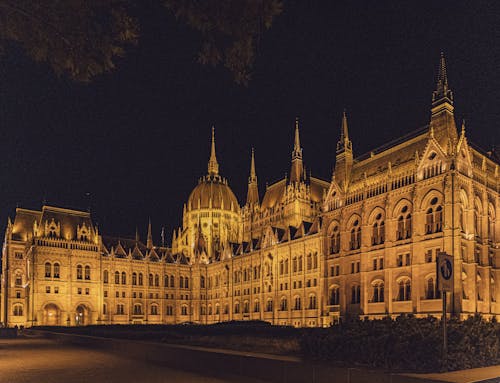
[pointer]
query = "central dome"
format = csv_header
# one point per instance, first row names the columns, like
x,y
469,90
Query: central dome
x,y
213,190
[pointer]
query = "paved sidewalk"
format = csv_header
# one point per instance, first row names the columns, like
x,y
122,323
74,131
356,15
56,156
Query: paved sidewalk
x,y
38,360
489,374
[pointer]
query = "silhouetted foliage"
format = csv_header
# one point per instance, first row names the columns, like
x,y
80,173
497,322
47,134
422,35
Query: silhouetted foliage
x,y
83,38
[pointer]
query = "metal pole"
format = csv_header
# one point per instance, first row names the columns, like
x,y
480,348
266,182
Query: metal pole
x,y
445,340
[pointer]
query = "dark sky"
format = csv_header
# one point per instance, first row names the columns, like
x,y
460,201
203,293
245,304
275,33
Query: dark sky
x,y
138,139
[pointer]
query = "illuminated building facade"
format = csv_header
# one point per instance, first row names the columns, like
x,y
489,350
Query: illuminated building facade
x,y
307,254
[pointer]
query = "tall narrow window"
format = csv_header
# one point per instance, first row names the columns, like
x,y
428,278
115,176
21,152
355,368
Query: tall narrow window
x,y
87,273
117,278
79,272
105,276
48,270
57,270
124,278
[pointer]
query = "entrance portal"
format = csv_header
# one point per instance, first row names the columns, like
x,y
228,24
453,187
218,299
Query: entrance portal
x,y
82,316
51,315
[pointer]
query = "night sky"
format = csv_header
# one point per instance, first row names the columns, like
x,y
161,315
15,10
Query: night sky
x,y
138,139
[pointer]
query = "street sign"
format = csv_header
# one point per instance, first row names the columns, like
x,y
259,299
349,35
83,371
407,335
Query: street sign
x,y
444,272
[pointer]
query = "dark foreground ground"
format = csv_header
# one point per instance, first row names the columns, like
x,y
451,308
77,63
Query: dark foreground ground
x,y
40,360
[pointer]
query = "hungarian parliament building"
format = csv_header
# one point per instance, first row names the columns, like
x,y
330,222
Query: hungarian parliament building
x,y
309,253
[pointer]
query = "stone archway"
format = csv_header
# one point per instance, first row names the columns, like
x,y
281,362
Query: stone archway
x,y
82,315
51,315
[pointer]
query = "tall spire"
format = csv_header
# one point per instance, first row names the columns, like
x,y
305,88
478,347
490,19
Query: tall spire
x,y
149,242
137,238
344,142
296,173
344,157
213,166
297,150
253,190
442,88
442,122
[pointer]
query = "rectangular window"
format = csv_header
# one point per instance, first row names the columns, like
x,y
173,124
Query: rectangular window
x,y
408,259
117,294
18,294
428,256
352,267
399,260
375,263
358,263
381,263
56,290
47,289
123,294
79,290
105,293
18,255
87,291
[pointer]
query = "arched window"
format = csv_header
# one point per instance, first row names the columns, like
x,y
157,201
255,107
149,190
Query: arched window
x,y
431,291
334,247
181,282
134,278
404,224
315,260
104,309
150,280
124,278
355,294
105,276
404,290
309,261
237,307
57,270
312,302
297,305
186,282
17,310
87,273
300,263
256,306
154,309
157,280
202,282
378,291
141,279
355,236
172,281
137,309
434,217
334,296
120,309
378,230
491,222
117,278
246,307
48,268
184,310
283,304
269,304
79,272
165,281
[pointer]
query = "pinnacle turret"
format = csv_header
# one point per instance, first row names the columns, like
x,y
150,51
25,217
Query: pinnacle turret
x,y
149,241
213,166
253,191
297,171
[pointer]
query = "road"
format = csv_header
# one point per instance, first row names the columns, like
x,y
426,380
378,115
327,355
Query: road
x,y
26,360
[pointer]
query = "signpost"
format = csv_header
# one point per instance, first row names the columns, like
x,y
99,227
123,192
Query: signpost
x,y
444,273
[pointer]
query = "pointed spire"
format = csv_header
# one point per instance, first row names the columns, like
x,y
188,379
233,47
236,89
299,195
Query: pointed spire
x,y
442,88
137,234
296,173
149,242
297,151
213,166
253,191
462,133
344,142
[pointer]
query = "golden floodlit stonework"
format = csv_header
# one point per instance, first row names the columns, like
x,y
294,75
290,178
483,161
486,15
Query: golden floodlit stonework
x,y
310,253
